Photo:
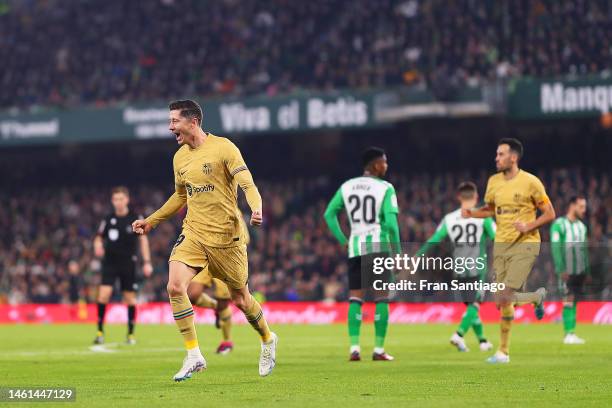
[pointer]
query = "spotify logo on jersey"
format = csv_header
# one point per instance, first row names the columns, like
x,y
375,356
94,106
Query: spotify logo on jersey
x,y
191,190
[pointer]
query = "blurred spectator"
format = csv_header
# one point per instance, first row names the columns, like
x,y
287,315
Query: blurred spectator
x,y
65,53
46,234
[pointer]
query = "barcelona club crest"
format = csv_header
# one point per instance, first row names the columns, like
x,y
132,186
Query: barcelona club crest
x,y
207,168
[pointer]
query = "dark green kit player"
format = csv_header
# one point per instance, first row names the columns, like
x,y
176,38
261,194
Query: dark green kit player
x,y
469,239
569,246
371,206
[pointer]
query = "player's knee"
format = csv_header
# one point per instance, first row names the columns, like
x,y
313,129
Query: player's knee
x,y
504,302
103,297
175,288
129,301
240,301
505,297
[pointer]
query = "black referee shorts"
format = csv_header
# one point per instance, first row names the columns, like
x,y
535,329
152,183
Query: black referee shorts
x,y
573,286
124,270
360,271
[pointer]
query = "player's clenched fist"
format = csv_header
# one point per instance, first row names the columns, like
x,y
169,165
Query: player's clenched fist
x,y
256,218
141,227
521,227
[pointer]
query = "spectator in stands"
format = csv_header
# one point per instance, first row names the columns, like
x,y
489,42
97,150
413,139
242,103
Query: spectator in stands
x,y
65,53
292,258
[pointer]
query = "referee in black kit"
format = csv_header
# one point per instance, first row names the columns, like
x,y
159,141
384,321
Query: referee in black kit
x,y
116,244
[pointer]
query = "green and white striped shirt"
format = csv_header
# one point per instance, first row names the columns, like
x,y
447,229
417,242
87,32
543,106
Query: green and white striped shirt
x,y
371,207
569,246
469,238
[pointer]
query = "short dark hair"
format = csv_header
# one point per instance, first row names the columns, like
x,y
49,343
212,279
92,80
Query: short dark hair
x,y
574,199
370,154
515,145
189,109
120,189
467,189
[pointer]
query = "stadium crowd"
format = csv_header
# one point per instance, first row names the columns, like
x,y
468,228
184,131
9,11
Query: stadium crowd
x,y
292,257
60,53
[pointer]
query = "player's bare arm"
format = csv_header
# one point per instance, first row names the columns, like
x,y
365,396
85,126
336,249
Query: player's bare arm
x,y
145,252
98,246
486,211
547,215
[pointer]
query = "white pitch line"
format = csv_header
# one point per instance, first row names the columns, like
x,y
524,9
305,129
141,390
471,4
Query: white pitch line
x,y
103,348
90,352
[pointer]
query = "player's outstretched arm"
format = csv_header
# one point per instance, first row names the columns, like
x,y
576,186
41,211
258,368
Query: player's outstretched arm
x,y
486,211
437,237
170,207
331,217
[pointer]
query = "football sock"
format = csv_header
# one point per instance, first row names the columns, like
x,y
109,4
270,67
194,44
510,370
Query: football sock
x,y
225,321
478,329
381,323
101,313
574,313
354,320
568,311
468,318
256,319
206,301
523,298
507,315
131,309
184,318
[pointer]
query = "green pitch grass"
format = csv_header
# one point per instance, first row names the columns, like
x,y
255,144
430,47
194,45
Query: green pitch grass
x,y
312,368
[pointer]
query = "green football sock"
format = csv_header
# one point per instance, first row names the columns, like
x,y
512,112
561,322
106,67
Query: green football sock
x,y
468,317
354,320
477,326
567,318
574,312
381,322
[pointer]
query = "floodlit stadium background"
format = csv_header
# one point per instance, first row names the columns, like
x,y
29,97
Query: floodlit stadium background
x,y
301,88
